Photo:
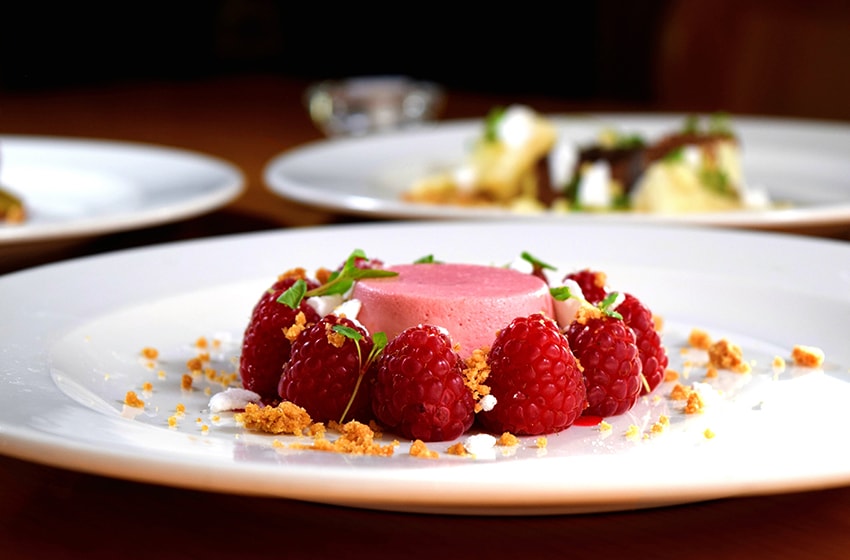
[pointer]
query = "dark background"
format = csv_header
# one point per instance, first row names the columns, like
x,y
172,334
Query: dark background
x,y
778,57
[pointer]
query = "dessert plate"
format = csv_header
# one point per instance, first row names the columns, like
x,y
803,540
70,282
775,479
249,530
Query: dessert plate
x,y
71,351
81,187
798,161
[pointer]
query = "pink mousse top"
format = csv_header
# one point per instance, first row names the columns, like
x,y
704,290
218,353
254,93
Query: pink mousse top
x,y
472,302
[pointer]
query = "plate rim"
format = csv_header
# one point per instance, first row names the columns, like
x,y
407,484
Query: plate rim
x,y
232,185
368,206
13,440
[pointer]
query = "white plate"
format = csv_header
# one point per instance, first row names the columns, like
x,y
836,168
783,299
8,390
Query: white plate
x,y
71,335
803,162
82,187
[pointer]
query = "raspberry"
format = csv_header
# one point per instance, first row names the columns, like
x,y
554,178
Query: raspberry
x,y
324,371
535,379
592,283
265,347
606,349
652,354
419,389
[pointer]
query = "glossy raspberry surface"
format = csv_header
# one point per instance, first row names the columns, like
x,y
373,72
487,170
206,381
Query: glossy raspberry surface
x,y
653,355
535,379
323,372
606,349
592,283
265,348
419,390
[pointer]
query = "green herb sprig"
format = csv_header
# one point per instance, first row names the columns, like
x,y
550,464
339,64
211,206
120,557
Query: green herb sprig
x,y
340,281
379,340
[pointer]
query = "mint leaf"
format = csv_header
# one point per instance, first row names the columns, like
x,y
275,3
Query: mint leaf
x,y
535,262
561,293
294,294
340,281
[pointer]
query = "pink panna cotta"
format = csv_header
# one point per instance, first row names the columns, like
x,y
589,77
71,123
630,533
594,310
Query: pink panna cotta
x,y
472,302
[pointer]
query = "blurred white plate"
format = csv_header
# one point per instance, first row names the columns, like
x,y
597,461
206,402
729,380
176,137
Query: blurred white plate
x,y
799,161
75,188
71,335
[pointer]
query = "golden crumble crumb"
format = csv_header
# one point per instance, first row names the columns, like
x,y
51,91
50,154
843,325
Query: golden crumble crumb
x,y
725,355
807,356
295,329
335,339
317,429
285,418
419,449
457,449
194,364
297,273
541,442
699,338
132,399
632,431
778,363
671,375
172,421
475,374
708,433
277,443
186,382
604,426
679,392
711,372
180,409
355,439
323,275
658,322
161,374
507,439
586,312
205,429
695,404
150,353
147,386
201,342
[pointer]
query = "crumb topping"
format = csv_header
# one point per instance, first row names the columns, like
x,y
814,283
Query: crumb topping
x,y
475,374
807,356
294,330
335,339
133,400
420,450
725,355
285,418
507,439
700,339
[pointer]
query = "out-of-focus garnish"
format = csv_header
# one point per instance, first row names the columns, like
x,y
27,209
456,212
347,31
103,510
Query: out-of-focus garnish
x,y
717,123
427,259
11,208
491,124
716,180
